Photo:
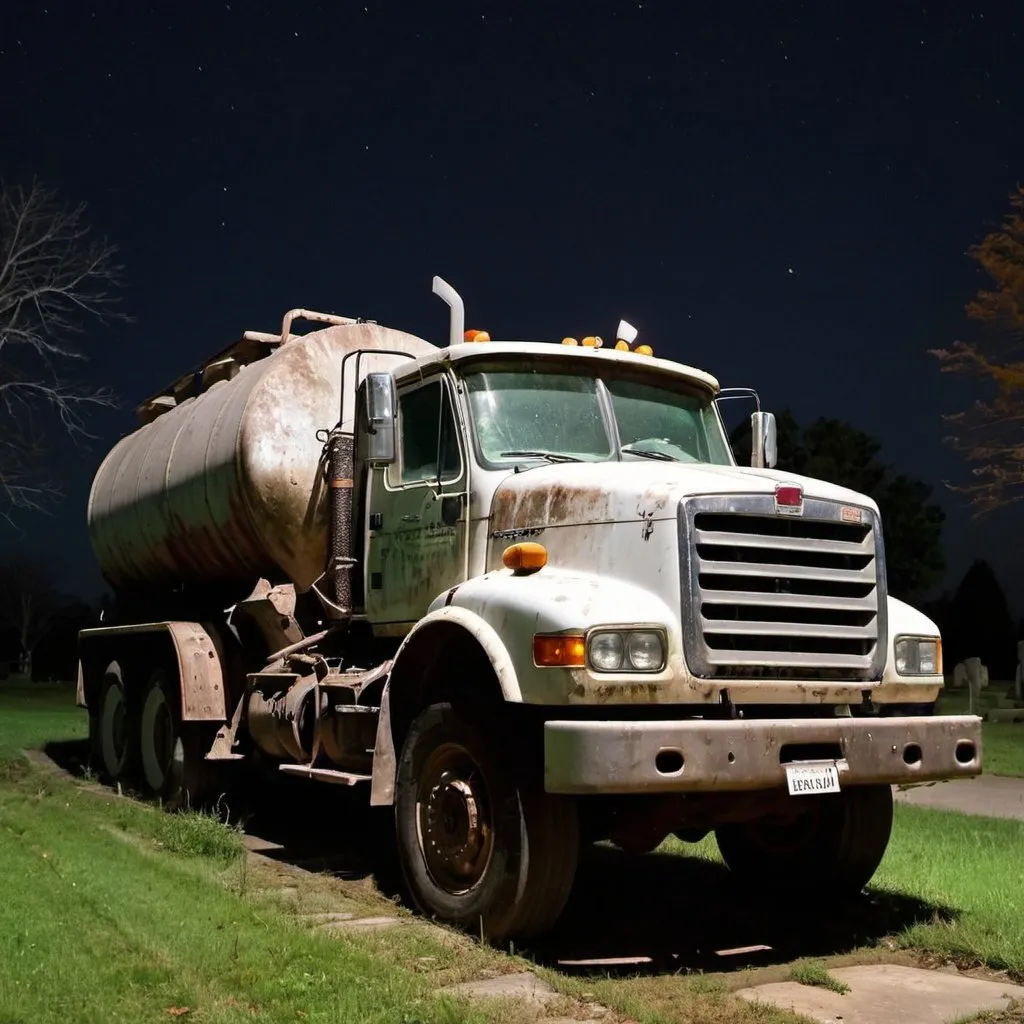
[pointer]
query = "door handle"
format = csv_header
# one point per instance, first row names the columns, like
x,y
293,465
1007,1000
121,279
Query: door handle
x,y
411,519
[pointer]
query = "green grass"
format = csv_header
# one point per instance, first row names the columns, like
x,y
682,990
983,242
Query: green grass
x,y
1003,748
970,869
100,923
1013,1014
113,910
972,866
814,972
1002,742
33,713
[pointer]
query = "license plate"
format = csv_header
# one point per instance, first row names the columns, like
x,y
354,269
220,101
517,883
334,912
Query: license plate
x,y
805,779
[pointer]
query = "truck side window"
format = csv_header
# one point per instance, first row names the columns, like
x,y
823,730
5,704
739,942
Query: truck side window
x,y
429,436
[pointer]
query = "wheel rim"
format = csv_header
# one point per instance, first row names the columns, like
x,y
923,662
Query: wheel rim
x,y
113,728
160,742
453,819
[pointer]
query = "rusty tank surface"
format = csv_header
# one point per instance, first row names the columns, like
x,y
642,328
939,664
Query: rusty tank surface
x,y
224,480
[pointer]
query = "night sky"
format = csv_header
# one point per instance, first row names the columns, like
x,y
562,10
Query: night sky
x,y
780,193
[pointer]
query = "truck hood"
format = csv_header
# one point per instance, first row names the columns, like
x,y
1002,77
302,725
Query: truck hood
x,y
585,493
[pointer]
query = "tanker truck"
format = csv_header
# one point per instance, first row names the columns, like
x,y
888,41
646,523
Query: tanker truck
x,y
521,594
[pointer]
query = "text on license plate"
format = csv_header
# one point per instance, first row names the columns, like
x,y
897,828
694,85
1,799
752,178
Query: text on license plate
x,y
804,779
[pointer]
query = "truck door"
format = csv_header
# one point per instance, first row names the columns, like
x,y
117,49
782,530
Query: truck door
x,y
416,511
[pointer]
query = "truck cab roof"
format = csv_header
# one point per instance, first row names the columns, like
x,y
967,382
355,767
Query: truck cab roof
x,y
547,350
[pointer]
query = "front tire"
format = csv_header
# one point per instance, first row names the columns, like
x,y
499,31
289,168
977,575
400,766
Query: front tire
x,y
479,848
171,751
837,843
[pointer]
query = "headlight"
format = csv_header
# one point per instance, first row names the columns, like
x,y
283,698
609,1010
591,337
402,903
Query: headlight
x,y
640,650
606,651
918,656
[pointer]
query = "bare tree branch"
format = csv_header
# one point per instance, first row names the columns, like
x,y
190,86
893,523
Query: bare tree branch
x,y
55,279
990,432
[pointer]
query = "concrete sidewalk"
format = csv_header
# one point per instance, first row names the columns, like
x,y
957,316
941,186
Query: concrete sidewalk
x,y
988,796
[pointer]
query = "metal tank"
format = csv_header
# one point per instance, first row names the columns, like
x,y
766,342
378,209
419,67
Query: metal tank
x,y
228,485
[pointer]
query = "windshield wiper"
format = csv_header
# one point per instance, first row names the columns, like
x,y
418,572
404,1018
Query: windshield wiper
x,y
550,456
647,454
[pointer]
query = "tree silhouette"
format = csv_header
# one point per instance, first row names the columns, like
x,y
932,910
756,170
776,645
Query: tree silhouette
x,y
976,623
28,603
841,454
991,431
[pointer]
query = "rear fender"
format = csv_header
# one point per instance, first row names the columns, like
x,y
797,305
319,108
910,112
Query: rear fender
x,y
200,669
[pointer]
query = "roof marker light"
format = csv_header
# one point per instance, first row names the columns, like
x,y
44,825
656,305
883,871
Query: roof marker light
x,y
644,350
525,558
592,341
626,332
569,341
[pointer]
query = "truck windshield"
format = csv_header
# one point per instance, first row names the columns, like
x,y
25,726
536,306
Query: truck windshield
x,y
550,415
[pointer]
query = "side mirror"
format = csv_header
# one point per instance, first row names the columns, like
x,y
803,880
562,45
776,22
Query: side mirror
x,y
763,443
381,417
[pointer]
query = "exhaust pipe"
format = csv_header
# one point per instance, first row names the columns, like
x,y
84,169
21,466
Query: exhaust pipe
x,y
340,466
457,319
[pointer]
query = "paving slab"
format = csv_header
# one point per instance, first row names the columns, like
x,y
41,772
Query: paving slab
x,y
526,986
286,891
1006,714
256,844
990,796
341,923
887,992
326,918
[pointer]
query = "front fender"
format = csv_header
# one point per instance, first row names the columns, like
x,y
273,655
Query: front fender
x,y
406,668
554,600
481,630
904,620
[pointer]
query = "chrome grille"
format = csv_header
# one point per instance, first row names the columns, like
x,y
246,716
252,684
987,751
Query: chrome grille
x,y
782,595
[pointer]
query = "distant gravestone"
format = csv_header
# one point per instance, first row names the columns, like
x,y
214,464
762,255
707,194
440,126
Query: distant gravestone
x,y
976,672
974,681
960,676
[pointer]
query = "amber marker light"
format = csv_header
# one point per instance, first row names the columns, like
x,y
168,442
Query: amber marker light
x,y
525,558
644,350
621,346
559,651
476,336
592,341
569,341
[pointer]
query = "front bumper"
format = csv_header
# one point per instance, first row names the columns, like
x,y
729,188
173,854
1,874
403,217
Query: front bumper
x,y
741,755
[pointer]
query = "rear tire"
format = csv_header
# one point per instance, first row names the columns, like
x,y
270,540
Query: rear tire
x,y
172,754
116,738
478,848
838,843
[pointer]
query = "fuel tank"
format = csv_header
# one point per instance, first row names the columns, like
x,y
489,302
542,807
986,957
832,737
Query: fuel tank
x,y
228,485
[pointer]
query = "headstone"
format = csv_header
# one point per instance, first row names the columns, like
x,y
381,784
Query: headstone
x,y
960,676
973,682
